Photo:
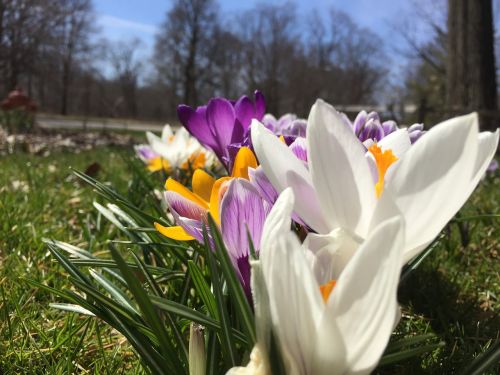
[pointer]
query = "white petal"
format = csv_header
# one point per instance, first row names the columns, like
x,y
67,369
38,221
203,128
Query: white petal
x,y
284,169
331,253
158,146
279,219
295,301
431,182
339,171
330,352
256,366
262,310
166,133
363,302
487,146
398,142
488,143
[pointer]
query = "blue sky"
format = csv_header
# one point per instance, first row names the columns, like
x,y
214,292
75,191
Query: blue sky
x,y
135,18
127,19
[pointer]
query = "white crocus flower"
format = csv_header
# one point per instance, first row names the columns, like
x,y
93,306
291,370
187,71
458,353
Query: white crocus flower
x,y
337,193
324,321
178,148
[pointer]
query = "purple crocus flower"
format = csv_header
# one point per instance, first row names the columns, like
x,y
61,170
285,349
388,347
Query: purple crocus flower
x,y
242,212
286,125
145,152
368,127
223,123
241,208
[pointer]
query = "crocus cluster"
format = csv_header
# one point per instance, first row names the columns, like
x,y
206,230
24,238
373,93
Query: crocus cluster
x,y
173,150
365,196
369,128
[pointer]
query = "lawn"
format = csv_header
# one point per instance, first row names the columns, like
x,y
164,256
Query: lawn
x,y
453,294
41,198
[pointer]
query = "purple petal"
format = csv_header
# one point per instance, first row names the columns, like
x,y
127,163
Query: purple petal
x,y
373,116
196,124
221,118
299,148
145,152
415,135
359,122
238,133
270,122
243,269
262,184
241,209
183,206
389,127
245,111
232,151
194,228
298,128
372,130
260,105
286,120
416,127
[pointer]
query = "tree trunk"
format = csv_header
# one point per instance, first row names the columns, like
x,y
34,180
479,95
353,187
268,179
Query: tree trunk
x,y
471,78
65,87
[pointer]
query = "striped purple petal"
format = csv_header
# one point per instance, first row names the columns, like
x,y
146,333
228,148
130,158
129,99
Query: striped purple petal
x,y
187,214
299,148
242,213
371,130
262,184
389,127
183,206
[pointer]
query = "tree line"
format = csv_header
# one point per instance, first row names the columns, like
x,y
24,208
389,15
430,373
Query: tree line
x,y
52,49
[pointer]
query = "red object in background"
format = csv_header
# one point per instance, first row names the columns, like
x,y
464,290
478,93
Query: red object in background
x,y
18,99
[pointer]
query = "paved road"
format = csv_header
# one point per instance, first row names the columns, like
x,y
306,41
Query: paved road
x,y
48,122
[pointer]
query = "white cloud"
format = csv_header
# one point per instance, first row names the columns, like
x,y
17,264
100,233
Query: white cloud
x,y
119,23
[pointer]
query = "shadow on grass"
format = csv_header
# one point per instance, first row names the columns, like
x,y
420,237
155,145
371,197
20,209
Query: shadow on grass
x,y
459,320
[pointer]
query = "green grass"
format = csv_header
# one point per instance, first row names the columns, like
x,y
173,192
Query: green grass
x,y
40,198
453,294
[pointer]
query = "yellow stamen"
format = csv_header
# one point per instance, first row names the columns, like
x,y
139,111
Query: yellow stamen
x,y
244,159
383,160
326,289
156,164
202,184
173,185
175,233
282,139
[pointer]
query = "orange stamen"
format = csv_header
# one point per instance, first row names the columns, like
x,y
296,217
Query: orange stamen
x,y
383,160
326,289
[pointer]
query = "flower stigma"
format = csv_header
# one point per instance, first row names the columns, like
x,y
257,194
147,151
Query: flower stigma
x,y
383,160
326,289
